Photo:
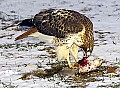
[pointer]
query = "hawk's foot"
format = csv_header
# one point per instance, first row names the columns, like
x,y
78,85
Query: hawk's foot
x,y
72,66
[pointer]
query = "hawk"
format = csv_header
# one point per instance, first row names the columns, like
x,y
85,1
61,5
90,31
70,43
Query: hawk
x,y
67,29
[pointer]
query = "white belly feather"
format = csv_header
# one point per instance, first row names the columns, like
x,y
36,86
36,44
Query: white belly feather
x,y
43,37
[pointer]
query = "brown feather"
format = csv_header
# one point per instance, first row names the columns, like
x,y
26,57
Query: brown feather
x,y
24,35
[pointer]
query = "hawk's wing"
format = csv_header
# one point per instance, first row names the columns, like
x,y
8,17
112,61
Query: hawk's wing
x,y
58,23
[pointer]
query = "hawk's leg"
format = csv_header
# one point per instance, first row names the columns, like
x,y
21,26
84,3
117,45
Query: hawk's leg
x,y
63,53
74,51
69,63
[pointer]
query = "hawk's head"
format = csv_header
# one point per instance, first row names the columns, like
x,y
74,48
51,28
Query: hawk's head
x,y
88,45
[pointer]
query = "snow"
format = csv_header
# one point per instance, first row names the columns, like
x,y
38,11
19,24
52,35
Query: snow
x,y
105,15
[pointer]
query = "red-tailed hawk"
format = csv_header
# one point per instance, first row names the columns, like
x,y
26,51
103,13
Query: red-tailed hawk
x,y
67,29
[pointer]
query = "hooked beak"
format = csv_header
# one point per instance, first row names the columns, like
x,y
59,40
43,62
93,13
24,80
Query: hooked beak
x,y
87,54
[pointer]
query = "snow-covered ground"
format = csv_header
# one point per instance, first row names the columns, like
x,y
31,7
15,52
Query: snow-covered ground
x,y
17,58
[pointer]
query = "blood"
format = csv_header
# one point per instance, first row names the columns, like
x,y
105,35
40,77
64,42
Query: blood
x,y
83,62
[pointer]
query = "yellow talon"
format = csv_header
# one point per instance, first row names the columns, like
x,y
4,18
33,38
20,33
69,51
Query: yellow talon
x,y
72,66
